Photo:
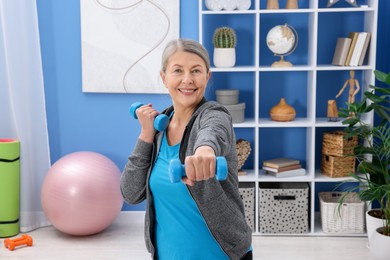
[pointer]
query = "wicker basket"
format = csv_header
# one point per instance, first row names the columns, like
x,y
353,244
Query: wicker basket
x,y
334,166
335,144
349,219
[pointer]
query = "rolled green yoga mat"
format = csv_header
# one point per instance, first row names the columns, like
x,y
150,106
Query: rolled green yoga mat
x,y
9,187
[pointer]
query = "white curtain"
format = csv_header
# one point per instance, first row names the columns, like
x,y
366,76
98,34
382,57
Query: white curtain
x,y
22,103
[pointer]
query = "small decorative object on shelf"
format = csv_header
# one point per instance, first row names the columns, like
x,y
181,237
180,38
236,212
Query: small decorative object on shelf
x,y
352,90
224,41
243,149
333,113
282,41
273,4
292,4
244,4
332,2
228,5
214,5
282,112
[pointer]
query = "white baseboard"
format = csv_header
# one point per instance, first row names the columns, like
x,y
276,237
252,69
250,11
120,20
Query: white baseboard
x,y
132,216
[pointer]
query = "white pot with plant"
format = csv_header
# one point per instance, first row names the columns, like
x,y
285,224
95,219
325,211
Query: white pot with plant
x,y
224,40
373,155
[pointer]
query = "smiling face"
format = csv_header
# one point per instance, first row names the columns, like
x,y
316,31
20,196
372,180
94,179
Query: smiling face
x,y
186,78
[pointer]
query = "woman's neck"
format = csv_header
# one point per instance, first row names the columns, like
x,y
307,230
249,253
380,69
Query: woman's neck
x,y
177,125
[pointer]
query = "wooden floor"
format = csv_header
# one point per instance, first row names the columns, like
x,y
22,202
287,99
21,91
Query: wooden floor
x,y
124,240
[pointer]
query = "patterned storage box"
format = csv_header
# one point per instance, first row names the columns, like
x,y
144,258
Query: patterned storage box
x,y
334,143
247,193
284,207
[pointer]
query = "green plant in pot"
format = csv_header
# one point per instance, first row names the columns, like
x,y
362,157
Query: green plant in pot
x,y
373,151
224,40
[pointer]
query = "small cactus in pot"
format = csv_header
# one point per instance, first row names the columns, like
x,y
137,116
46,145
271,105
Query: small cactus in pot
x,y
224,37
224,41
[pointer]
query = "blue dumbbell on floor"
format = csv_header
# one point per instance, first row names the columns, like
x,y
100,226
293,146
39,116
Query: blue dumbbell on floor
x,y
176,170
160,122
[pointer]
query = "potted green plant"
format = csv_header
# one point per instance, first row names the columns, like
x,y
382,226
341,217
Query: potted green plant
x,y
224,40
372,154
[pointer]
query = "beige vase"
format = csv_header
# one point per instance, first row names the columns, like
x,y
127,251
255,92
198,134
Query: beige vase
x,y
273,4
282,112
292,4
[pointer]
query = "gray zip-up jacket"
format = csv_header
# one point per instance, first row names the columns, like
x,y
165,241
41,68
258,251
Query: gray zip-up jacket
x,y
219,202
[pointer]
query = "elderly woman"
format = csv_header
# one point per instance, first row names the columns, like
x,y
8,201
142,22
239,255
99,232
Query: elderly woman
x,y
200,217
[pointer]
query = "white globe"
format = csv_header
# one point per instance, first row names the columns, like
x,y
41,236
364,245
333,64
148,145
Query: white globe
x,y
281,39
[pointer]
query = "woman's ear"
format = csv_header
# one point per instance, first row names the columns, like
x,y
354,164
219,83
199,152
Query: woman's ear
x,y
209,74
162,75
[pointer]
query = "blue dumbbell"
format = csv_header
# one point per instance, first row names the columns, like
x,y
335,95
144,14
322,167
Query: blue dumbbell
x,y
160,122
176,170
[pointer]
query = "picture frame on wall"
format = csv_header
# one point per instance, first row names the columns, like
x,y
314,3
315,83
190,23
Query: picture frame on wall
x,y
122,44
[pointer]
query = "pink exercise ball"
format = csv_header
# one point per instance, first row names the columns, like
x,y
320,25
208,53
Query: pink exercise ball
x,y
81,193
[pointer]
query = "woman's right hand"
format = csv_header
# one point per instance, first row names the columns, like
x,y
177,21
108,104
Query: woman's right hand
x,y
146,115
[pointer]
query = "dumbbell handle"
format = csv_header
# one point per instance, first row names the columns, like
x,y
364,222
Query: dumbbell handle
x,y
177,171
160,122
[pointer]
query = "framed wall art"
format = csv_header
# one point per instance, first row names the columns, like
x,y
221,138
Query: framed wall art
x,y
122,43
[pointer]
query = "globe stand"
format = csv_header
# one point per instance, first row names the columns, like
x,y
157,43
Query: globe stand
x,y
281,63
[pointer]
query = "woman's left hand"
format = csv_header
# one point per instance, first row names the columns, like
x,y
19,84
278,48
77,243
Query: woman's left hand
x,y
200,166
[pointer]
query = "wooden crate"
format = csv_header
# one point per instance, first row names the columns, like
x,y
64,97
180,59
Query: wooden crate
x,y
334,143
337,166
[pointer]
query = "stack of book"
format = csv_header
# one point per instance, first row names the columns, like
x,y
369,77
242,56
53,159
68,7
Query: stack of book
x,y
283,167
351,51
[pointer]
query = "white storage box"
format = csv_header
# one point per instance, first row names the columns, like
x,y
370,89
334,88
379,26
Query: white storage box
x,y
284,207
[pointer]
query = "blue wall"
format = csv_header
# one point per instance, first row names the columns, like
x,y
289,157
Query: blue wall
x,y
100,122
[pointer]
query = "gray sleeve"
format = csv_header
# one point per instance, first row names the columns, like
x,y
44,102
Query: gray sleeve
x,y
134,176
216,131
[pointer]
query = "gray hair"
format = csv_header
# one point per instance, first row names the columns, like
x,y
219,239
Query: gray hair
x,y
185,45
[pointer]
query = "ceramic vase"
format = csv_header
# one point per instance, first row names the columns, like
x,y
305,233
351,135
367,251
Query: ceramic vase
x,y
282,112
292,4
273,4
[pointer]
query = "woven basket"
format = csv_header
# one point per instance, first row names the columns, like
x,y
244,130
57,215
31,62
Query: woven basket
x,y
333,166
335,144
348,219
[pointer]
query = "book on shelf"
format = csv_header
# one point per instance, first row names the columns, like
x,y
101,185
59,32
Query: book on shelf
x,y
280,162
358,49
364,50
282,169
290,173
353,36
341,51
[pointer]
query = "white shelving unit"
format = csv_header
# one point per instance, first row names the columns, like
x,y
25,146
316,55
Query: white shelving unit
x,y
310,20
